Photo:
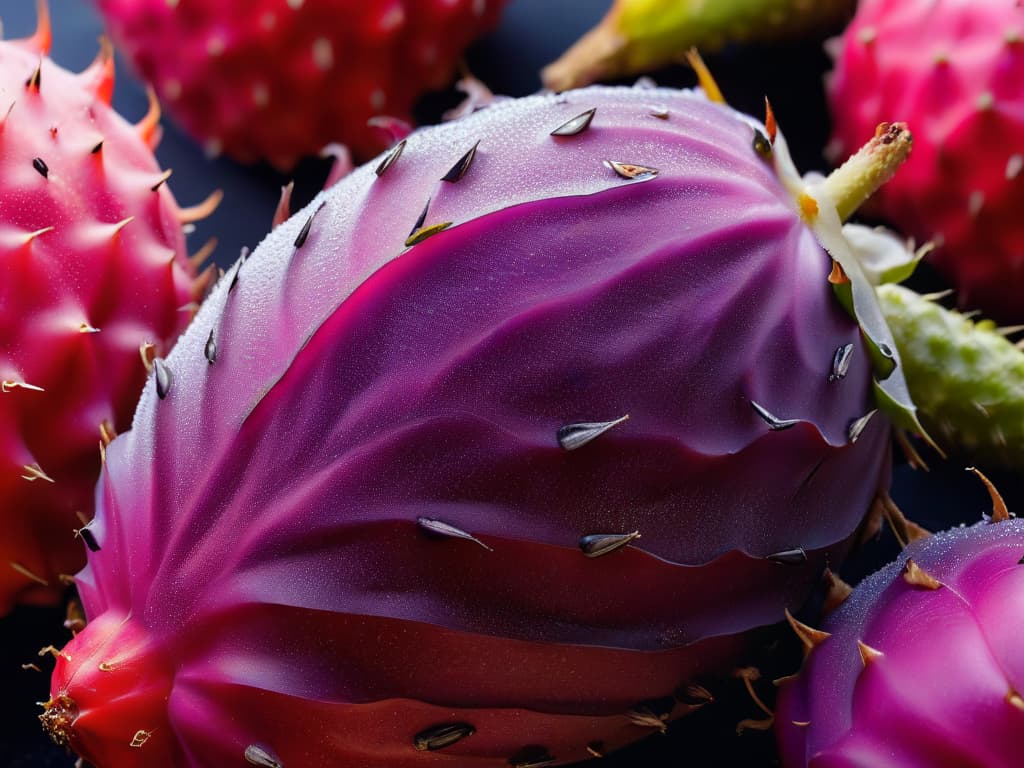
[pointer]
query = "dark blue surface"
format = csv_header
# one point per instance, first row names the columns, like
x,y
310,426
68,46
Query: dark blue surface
x,y
533,33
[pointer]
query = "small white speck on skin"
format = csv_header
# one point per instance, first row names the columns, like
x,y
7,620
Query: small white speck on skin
x,y
378,99
323,53
975,202
1014,166
172,89
985,100
260,94
393,19
268,20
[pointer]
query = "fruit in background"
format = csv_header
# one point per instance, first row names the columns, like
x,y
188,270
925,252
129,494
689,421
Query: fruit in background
x,y
953,69
92,265
966,378
642,35
277,81
921,665
490,454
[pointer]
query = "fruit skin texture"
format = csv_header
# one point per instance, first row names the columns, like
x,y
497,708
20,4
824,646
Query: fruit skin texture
x,y
966,378
954,70
945,690
259,530
92,264
638,36
277,81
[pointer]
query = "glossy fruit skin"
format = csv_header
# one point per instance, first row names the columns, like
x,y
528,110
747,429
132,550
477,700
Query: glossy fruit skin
x,y
278,80
263,539
92,265
953,69
944,690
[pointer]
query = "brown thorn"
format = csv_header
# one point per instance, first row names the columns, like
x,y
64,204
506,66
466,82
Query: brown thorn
x,y
904,530
838,591
35,472
29,574
163,178
202,210
101,72
196,259
42,38
999,510
909,451
809,636
837,276
868,655
916,576
147,351
284,206
770,126
1015,699
148,128
704,77
33,667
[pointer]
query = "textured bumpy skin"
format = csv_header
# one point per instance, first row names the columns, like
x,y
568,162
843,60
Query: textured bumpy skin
x,y
267,564
641,35
278,80
92,264
954,70
966,378
923,667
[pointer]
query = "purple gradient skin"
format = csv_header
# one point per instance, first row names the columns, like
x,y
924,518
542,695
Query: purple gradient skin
x,y
941,695
258,526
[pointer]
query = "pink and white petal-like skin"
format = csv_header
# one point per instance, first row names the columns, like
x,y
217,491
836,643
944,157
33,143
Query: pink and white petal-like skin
x,y
954,70
258,526
945,693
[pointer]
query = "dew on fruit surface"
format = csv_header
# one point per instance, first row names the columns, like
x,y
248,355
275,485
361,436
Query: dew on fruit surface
x,y
441,736
576,125
598,544
573,436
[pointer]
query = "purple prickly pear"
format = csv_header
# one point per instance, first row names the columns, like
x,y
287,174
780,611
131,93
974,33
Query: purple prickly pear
x,y
500,444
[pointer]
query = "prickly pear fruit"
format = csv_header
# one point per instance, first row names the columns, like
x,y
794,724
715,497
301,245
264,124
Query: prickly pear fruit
x,y
921,666
485,456
276,81
953,69
966,378
641,35
92,265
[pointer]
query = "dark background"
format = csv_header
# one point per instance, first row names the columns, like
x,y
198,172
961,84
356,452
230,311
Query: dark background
x,y
533,33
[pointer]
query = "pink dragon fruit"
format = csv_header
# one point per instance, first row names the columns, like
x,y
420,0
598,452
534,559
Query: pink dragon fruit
x,y
954,69
273,80
395,476
921,666
92,265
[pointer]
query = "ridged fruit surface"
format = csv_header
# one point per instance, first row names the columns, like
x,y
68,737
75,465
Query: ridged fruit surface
x,y
92,264
954,70
966,378
278,80
921,666
410,362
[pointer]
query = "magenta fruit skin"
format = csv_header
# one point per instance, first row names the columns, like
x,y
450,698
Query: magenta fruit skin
x,y
953,70
258,527
92,265
278,80
946,690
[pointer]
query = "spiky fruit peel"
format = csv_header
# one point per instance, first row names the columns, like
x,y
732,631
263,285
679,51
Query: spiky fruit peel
x,y
277,81
92,265
480,458
967,378
921,666
638,36
954,69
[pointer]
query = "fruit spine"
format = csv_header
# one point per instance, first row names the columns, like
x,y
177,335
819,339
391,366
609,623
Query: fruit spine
x,y
92,265
490,454
272,80
954,70
921,665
